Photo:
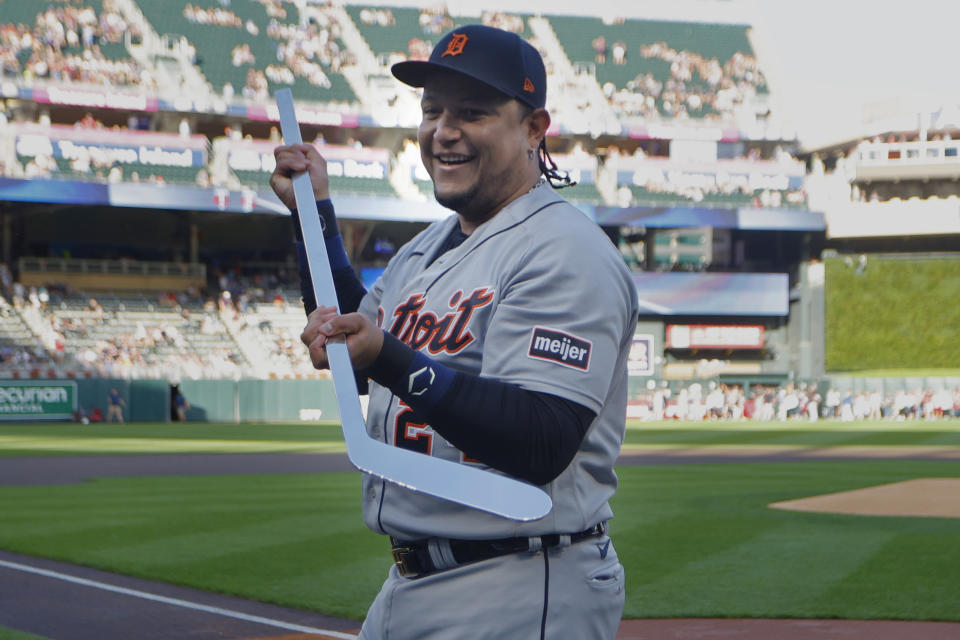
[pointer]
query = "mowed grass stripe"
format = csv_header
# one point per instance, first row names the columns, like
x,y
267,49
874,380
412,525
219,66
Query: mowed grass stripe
x,y
778,574
259,537
147,438
695,539
317,573
922,568
700,541
127,519
13,634
74,439
109,446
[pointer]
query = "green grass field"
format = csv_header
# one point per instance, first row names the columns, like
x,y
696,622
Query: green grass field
x,y
144,438
147,438
696,540
11,634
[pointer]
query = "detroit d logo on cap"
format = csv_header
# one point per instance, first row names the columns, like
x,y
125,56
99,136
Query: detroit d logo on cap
x,y
456,45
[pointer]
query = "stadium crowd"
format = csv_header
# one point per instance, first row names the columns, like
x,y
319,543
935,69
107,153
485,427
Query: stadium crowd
x,y
64,45
713,401
309,50
697,87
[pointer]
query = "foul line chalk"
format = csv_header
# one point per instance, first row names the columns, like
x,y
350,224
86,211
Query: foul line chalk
x,y
186,604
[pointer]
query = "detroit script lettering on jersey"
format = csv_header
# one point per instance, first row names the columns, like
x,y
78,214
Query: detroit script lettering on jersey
x,y
448,333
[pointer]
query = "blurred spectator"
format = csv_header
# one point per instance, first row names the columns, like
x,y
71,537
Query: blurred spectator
x,y
435,20
88,122
505,21
218,16
599,45
47,47
115,405
241,55
309,48
697,87
619,52
381,17
178,404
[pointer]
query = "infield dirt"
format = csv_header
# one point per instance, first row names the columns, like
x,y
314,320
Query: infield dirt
x,y
921,497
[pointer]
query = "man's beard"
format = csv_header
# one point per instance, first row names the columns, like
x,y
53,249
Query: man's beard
x,y
459,202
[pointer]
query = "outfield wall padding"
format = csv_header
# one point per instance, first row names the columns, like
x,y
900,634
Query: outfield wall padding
x,y
216,400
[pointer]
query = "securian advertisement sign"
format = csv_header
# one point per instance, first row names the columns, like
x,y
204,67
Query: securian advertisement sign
x,y
37,399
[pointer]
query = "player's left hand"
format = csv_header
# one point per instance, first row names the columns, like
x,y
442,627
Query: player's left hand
x,y
364,339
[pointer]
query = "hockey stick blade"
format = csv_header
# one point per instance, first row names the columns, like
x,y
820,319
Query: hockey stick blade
x,y
469,486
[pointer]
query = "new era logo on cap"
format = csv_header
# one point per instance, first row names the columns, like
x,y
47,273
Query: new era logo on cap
x,y
560,347
528,86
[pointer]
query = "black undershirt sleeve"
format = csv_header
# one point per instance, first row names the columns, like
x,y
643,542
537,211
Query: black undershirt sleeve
x,y
349,287
527,434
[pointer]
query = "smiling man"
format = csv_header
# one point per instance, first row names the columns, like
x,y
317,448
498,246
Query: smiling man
x,y
497,337
473,141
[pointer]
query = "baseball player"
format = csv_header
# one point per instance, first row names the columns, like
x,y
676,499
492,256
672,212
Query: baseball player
x,y
497,337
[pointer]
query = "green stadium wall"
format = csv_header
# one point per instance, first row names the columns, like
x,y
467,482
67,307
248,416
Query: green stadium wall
x,y
215,400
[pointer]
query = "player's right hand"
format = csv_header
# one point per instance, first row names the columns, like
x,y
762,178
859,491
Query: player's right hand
x,y
317,318
293,159
364,338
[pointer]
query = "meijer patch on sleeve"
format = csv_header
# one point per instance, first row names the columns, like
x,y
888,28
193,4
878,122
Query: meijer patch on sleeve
x,y
562,348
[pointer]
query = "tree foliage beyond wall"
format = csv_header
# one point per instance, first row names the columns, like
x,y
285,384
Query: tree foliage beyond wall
x,y
892,313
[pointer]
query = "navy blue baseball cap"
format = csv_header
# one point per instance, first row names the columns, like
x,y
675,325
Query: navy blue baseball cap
x,y
498,58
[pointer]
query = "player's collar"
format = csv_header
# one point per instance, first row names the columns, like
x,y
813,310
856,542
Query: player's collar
x,y
533,201
537,198
542,181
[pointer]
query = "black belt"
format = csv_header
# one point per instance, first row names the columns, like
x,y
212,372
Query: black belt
x,y
413,559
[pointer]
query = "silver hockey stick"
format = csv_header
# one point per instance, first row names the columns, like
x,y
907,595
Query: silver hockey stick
x,y
458,483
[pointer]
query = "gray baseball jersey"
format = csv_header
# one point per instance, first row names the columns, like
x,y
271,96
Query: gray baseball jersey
x,y
537,296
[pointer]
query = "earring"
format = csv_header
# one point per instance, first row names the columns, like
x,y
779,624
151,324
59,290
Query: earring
x,y
530,153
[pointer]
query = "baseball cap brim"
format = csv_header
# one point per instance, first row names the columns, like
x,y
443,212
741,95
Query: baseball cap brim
x,y
416,73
